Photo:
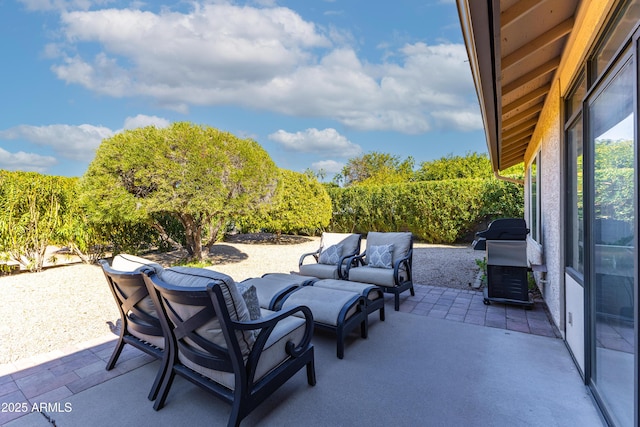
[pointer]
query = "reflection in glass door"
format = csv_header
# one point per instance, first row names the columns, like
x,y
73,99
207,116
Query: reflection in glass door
x,y
612,246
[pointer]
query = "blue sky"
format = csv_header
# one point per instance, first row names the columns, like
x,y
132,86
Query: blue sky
x,y
315,82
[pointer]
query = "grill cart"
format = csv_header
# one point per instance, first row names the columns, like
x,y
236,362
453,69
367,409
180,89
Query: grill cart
x,y
505,243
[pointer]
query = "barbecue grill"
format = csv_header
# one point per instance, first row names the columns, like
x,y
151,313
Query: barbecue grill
x,y
505,244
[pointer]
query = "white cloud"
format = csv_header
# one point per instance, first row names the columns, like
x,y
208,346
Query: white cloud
x,y
329,166
326,142
22,161
216,42
72,142
457,119
264,58
142,120
77,143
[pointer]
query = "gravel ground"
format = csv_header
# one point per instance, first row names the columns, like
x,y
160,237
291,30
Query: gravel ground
x,y
66,305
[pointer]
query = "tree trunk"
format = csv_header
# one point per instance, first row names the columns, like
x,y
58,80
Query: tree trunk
x,y
163,233
193,234
214,231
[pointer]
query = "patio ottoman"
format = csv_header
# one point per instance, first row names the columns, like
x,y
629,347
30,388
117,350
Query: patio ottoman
x,y
333,310
372,294
273,287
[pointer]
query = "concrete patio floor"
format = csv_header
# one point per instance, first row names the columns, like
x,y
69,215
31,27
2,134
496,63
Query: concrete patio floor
x,y
446,360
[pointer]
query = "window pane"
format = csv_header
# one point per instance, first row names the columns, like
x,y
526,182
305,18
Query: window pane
x,y
621,26
574,102
611,119
533,205
575,215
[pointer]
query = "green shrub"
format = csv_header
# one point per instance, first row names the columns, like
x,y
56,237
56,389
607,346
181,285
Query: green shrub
x,y
434,211
301,205
34,209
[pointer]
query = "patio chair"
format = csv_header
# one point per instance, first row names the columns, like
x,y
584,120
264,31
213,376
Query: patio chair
x,y
213,343
140,326
386,262
330,258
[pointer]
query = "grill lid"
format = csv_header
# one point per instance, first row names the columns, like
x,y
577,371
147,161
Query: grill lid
x,y
505,229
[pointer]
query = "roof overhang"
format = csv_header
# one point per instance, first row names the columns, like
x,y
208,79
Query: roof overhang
x,y
514,48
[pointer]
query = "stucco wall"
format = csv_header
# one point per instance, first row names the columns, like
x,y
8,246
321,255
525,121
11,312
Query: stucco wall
x,y
548,137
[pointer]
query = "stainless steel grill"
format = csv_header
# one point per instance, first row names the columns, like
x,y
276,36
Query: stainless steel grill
x,y
507,265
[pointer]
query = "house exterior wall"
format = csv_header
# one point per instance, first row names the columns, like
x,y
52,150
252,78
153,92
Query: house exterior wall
x,y
548,138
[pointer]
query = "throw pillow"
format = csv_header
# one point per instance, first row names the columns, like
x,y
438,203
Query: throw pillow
x,y
380,256
331,255
250,296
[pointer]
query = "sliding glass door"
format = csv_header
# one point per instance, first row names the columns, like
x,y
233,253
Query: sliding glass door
x,y
612,250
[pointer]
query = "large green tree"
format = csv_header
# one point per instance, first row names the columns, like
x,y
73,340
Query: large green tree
x,y
199,175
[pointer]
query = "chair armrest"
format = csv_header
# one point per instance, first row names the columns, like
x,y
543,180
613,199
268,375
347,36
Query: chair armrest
x,y
344,265
354,261
315,255
406,262
267,325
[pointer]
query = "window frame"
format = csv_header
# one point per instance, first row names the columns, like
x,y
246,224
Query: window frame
x,y
535,199
574,120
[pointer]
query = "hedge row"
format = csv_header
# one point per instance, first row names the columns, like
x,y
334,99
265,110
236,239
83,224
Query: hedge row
x,y
38,210
434,211
35,211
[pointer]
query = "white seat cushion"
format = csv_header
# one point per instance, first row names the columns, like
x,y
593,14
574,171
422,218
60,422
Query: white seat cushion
x,y
377,276
273,354
325,304
130,263
321,271
364,289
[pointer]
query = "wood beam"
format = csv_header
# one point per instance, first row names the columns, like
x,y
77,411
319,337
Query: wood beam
x,y
516,147
543,69
523,115
519,128
517,140
531,96
538,43
524,135
511,160
517,10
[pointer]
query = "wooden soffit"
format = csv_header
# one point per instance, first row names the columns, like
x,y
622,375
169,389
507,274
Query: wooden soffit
x,y
526,40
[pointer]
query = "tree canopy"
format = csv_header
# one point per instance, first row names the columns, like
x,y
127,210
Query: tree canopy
x,y
301,205
376,168
198,175
472,165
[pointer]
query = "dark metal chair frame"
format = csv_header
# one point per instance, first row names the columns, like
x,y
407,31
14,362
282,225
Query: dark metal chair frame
x,y
247,393
341,265
133,318
405,262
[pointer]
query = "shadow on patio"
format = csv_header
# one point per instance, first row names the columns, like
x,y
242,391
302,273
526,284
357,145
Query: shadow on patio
x,y
412,370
